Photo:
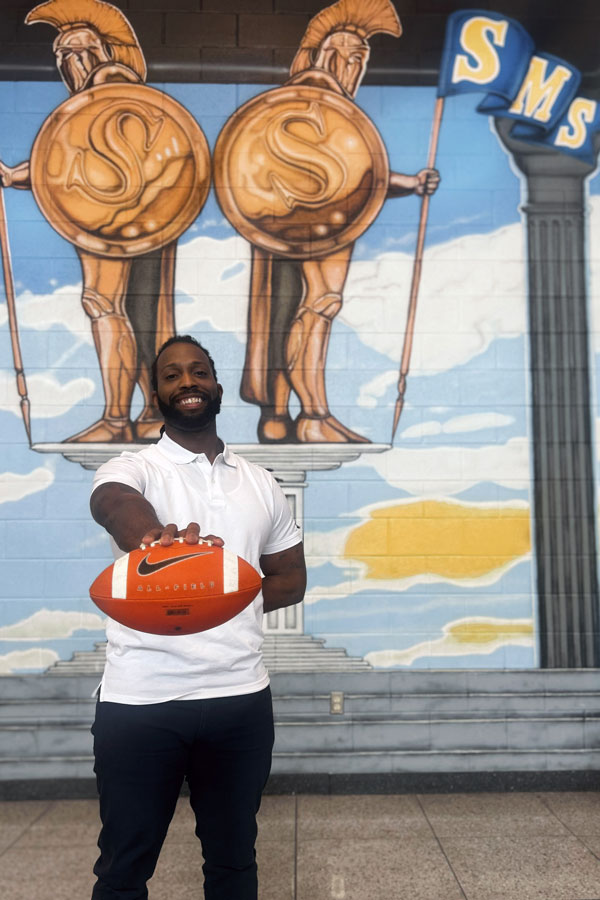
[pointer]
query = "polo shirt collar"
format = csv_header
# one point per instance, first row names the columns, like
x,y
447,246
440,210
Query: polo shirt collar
x,y
180,455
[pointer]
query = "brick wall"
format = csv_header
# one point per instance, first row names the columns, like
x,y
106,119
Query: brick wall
x,y
255,40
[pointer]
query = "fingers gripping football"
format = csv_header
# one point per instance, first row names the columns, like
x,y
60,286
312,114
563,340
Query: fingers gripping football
x,y
191,535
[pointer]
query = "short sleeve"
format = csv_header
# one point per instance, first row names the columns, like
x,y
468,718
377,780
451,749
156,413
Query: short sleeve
x,y
128,468
285,533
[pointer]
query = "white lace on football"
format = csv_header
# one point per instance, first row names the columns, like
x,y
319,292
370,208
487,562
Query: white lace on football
x,y
179,540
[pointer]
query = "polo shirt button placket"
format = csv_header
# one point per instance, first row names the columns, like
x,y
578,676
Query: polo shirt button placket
x,y
216,493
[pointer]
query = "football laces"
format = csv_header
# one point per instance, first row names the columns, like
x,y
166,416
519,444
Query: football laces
x,y
179,540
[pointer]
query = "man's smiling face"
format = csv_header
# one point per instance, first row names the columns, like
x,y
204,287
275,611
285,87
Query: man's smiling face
x,y
187,392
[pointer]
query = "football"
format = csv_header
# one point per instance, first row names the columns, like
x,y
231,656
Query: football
x,y
179,589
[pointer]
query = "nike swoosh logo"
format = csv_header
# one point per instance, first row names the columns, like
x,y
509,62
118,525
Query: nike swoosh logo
x,y
147,568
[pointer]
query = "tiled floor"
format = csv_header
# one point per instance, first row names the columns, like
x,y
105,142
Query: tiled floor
x,y
527,846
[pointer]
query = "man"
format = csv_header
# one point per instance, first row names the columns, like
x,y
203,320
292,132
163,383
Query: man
x,y
195,706
129,301
303,297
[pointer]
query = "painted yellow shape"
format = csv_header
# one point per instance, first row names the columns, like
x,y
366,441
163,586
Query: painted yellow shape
x,y
489,632
438,538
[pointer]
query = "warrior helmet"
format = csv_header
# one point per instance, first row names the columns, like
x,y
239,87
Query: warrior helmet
x,y
91,33
337,38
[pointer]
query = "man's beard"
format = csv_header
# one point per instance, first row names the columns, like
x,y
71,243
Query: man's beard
x,y
189,421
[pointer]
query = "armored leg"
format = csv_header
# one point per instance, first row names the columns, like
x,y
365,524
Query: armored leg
x,y
275,291
105,283
307,350
149,307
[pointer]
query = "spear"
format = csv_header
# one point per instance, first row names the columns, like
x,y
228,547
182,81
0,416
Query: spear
x,y
9,290
417,266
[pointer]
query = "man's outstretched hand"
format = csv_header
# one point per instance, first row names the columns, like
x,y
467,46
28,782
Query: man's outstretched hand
x,y
191,535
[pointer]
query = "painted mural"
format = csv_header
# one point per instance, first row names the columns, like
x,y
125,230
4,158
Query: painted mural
x,y
382,341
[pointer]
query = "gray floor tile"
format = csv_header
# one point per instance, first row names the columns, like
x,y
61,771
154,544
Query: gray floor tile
x,y
179,867
276,869
361,816
16,818
400,869
592,842
45,873
524,868
543,846
490,814
579,811
14,812
65,823
276,848
277,818
165,891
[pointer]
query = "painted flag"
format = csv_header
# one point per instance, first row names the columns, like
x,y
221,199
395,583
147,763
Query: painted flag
x,y
545,95
575,132
485,52
493,54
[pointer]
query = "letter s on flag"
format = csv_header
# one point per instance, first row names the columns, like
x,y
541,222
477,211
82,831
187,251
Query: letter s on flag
x,y
479,36
484,51
572,135
576,132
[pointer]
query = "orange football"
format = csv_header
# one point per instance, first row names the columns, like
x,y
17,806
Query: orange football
x,y
180,589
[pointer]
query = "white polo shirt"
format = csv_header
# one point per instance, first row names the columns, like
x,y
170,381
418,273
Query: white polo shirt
x,y
234,499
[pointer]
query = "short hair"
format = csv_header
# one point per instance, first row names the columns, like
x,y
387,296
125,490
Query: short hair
x,y
179,339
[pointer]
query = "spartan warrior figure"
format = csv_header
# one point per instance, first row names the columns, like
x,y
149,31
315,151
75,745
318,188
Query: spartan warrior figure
x,y
293,302
129,300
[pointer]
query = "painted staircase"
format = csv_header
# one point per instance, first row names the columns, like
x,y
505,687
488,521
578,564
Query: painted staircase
x,y
282,653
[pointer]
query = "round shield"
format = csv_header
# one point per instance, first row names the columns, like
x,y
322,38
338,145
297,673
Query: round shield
x,y
120,169
300,171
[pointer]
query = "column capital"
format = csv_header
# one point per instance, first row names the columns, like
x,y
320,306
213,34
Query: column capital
x,y
554,180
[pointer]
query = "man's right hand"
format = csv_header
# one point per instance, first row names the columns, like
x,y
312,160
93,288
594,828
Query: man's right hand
x,y
191,535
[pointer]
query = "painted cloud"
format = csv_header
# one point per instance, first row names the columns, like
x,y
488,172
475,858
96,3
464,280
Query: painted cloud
x,y
14,487
34,658
430,470
49,398
478,635
46,624
472,288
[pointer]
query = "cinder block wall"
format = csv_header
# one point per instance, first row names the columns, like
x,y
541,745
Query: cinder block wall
x,y
255,40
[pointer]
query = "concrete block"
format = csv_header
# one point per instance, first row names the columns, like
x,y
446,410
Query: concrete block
x,y
200,29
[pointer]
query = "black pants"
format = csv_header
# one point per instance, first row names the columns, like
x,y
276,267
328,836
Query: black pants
x,y
143,753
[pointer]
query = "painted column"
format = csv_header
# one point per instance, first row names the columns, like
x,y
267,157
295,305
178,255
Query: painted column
x,y
564,498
